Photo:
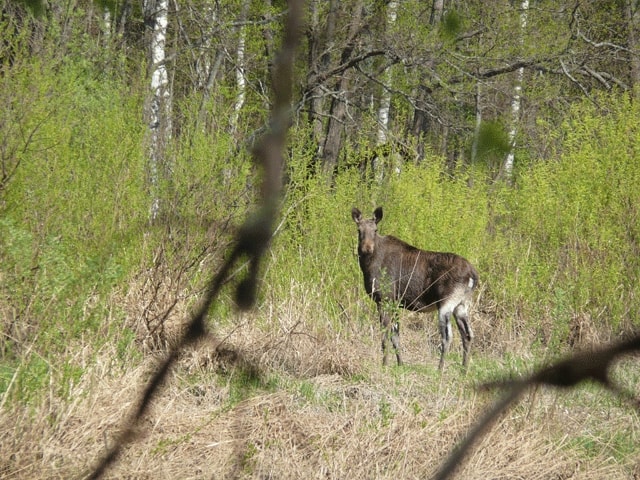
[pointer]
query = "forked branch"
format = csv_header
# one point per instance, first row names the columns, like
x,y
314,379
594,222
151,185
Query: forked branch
x,y
252,239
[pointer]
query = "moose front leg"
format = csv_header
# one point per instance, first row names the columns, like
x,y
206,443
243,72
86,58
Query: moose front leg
x,y
390,331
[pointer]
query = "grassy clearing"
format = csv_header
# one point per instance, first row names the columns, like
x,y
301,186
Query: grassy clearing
x,y
285,396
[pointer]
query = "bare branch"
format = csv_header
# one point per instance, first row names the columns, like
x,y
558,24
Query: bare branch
x,y
572,78
252,239
604,78
319,78
603,44
594,366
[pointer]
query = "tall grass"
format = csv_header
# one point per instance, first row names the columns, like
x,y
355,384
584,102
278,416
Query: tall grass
x,y
84,279
557,253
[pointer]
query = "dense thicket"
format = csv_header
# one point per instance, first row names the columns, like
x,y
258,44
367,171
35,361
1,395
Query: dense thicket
x,y
81,263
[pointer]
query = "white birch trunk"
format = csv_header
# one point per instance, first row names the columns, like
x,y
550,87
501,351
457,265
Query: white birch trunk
x,y
516,100
240,79
385,99
240,69
203,62
159,108
476,132
106,26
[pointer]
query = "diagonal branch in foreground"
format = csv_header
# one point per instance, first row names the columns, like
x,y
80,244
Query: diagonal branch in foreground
x,y
585,366
252,239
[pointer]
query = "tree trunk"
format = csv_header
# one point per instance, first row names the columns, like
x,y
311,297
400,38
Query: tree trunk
x,y
436,12
202,64
125,13
159,117
320,46
207,70
240,70
106,27
421,122
507,166
377,162
633,22
337,113
476,132
385,97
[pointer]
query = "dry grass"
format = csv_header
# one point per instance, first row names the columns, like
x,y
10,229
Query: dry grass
x,y
286,395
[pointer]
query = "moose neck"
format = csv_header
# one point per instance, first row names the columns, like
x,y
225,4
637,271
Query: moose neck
x,y
369,251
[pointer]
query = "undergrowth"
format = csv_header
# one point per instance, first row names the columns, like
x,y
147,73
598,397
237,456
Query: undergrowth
x,y
82,270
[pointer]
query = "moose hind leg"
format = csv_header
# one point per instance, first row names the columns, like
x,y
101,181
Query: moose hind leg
x,y
462,320
384,322
444,324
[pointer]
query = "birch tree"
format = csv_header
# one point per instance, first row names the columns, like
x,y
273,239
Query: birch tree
x,y
159,112
516,100
240,69
207,70
385,97
106,25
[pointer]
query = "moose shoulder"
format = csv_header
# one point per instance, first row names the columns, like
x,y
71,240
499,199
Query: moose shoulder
x,y
398,273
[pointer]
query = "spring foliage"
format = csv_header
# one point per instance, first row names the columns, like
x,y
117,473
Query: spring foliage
x,y
558,249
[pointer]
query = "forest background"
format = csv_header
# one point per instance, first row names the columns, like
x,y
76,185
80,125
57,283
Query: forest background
x,y
504,131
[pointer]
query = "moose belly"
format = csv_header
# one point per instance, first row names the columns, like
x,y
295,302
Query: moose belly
x,y
418,305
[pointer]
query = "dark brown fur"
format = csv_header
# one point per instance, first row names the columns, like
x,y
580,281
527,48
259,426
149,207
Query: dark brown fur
x,y
418,280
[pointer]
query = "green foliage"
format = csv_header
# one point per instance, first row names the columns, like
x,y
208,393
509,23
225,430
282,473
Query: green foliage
x,y
451,25
579,219
493,141
562,246
72,212
36,7
558,251
386,412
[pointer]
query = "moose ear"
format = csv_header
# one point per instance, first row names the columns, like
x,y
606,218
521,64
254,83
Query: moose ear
x,y
377,214
356,215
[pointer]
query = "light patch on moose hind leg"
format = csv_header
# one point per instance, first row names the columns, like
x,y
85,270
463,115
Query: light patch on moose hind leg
x,y
457,296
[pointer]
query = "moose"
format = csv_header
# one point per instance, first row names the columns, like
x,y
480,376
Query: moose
x,y
396,273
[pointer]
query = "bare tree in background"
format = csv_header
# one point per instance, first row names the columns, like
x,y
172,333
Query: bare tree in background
x,y
241,84
338,110
385,97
